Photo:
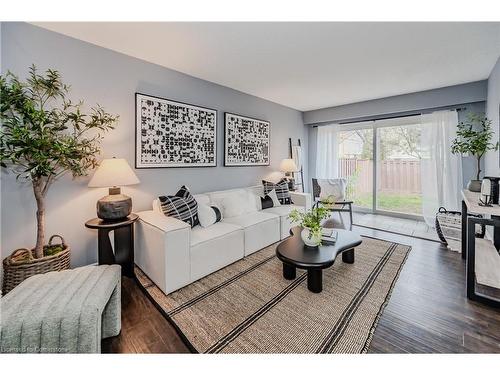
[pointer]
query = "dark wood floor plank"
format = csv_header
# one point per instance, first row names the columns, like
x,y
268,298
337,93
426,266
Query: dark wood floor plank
x,y
427,313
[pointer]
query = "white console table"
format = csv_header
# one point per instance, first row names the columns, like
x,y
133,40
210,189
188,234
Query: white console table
x,y
483,265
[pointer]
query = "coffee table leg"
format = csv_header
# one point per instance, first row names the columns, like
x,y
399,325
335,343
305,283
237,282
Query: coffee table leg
x,y
289,272
315,280
348,256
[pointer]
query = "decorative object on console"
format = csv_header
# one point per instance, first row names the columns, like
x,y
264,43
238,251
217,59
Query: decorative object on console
x,y
208,215
246,141
113,173
485,197
494,188
289,167
43,136
181,206
281,189
310,221
174,134
474,138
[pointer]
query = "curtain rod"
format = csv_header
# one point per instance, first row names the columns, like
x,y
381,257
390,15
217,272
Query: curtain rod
x,y
390,116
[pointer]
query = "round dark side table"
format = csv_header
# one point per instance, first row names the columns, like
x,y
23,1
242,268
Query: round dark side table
x,y
123,243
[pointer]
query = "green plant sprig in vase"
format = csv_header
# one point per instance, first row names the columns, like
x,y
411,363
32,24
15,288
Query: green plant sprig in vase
x,y
310,221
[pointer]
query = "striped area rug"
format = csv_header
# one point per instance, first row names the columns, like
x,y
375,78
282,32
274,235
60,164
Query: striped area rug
x,y
248,307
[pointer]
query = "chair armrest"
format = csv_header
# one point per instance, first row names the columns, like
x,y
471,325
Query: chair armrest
x,y
301,199
162,222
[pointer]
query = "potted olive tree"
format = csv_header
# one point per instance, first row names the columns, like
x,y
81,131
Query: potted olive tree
x,y
43,136
474,138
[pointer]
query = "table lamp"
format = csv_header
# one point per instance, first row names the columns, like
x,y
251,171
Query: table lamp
x,y
113,173
288,166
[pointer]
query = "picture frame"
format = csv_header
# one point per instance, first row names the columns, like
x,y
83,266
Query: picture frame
x,y
173,134
247,141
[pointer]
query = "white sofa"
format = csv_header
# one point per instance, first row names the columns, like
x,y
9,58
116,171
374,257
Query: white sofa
x,y
174,255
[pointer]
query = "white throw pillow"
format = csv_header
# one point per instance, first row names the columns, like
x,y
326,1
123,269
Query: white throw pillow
x,y
254,203
274,197
208,215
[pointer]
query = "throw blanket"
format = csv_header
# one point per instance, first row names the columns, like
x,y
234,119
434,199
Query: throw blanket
x,y
62,312
333,187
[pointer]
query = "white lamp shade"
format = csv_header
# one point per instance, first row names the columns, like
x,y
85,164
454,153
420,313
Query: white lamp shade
x,y
288,165
113,172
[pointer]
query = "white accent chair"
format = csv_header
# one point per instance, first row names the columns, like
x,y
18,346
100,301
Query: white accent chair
x,y
174,255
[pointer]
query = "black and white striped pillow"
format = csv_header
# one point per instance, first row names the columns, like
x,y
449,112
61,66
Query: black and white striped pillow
x,y
182,206
281,188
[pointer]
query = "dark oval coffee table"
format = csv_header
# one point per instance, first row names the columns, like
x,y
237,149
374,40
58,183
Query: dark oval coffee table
x,y
295,254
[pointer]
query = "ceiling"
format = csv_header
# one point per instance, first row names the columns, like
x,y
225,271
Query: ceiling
x,y
308,65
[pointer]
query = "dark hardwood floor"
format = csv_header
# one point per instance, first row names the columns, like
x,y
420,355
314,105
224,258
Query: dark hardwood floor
x,y
427,313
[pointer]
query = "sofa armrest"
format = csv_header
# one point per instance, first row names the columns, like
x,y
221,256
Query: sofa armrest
x,y
162,222
301,199
162,250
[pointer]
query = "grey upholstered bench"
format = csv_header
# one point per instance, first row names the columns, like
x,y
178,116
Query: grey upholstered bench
x,y
62,312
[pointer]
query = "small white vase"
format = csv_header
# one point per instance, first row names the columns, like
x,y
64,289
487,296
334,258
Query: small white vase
x,y
310,240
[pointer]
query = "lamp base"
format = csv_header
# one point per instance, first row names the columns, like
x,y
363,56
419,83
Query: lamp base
x,y
115,206
290,180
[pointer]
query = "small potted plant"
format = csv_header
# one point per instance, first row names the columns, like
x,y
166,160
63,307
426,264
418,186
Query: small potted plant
x,y
310,221
474,138
43,136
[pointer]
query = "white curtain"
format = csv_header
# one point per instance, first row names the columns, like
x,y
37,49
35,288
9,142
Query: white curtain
x,y
441,171
327,152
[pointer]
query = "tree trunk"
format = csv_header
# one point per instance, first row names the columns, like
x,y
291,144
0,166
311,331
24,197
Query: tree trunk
x,y
40,217
478,167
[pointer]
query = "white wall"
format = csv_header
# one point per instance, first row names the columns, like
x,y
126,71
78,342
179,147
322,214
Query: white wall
x,y
492,162
417,101
102,76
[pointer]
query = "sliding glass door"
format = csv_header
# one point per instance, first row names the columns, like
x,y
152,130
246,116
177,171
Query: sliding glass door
x,y
355,163
398,166
381,162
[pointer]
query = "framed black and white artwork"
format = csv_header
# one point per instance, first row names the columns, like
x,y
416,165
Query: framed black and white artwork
x,y
246,141
174,134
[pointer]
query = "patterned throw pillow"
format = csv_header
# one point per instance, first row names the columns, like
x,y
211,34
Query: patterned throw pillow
x,y
208,215
281,189
182,206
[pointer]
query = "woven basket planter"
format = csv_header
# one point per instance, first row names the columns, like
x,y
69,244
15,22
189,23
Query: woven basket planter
x,y
449,225
22,264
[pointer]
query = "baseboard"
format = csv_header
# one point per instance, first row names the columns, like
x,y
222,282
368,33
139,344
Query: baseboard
x,y
398,233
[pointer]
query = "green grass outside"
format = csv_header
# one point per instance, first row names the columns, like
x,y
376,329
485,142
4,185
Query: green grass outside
x,y
406,203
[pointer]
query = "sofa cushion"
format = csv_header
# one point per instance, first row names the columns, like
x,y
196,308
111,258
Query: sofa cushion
x,y
283,210
234,202
181,206
266,202
200,234
248,220
208,215
285,222
281,188
202,199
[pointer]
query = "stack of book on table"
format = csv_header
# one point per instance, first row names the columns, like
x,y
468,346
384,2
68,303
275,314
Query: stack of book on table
x,y
328,236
